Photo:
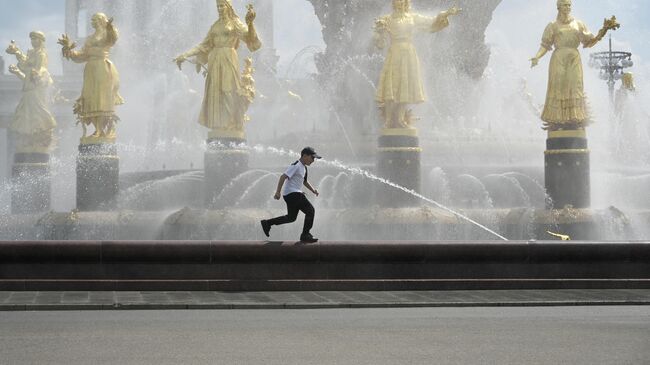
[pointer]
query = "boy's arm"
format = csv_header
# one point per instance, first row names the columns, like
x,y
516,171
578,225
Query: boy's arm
x,y
278,191
311,188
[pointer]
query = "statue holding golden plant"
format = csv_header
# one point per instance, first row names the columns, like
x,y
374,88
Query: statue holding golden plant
x,y
33,124
227,95
100,93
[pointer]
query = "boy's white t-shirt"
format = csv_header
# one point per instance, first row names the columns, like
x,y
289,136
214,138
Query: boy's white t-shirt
x,y
296,174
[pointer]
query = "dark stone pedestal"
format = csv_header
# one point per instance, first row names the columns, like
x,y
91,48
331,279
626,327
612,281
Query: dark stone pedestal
x,y
98,176
398,160
223,162
567,173
31,183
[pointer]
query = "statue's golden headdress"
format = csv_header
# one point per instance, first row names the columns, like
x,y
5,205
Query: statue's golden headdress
x,y
102,17
37,35
563,2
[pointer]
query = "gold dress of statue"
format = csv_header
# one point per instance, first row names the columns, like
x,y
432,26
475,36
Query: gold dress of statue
x,y
33,123
227,94
566,104
100,93
400,83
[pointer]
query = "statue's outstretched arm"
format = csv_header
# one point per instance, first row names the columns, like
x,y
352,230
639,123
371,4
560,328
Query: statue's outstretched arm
x,y
541,53
608,24
200,51
13,49
547,44
251,38
16,71
380,31
442,20
77,56
201,54
111,33
67,49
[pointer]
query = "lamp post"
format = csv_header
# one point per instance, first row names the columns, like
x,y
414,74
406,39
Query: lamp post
x,y
612,65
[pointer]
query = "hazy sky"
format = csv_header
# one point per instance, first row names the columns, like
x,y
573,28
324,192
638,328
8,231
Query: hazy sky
x,y
517,25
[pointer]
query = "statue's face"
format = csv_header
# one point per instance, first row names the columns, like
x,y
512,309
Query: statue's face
x,y
564,8
221,7
400,5
36,42
96,21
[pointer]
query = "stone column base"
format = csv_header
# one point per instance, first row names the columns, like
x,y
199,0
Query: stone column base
x,y
31,183
98,177
399,160
567,175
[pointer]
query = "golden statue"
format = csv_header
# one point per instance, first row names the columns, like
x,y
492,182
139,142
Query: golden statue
x,y
566,104
100,93
248,88
33,123
227,95
623,94
629,132
400,83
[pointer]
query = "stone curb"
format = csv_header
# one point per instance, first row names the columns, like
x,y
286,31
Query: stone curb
x,y
267,306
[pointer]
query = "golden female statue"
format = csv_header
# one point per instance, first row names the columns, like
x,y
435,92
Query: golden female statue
x,y
100,93
225,99
33,123
566,103
400,83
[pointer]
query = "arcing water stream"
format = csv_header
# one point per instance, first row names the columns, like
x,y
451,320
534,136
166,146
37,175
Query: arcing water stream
x,y
369,175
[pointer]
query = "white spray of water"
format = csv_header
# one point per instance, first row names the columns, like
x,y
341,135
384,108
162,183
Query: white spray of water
x,y
367,174
358,171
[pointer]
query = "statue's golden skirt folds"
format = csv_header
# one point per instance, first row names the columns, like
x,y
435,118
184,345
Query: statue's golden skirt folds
x,y
400,80
100,91
566,103
222,88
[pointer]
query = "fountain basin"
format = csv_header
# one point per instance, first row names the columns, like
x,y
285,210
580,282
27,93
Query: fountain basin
x,y
345,265
398,224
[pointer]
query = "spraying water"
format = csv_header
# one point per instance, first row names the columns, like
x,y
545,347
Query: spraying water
x,y
367,174
358,171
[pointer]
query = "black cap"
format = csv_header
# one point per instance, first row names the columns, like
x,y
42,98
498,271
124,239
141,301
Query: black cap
x,y
311,152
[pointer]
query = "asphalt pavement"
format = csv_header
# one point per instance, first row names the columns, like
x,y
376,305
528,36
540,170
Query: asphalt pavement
x,y
503,335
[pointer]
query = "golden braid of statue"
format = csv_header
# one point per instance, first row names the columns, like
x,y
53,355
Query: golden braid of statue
x,y
566,103
400,83
100,93
226,99
33,123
